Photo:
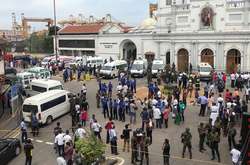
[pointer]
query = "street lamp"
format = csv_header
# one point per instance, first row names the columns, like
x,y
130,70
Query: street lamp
x,y
55,31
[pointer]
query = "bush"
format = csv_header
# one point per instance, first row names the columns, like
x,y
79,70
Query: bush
x,y
91,149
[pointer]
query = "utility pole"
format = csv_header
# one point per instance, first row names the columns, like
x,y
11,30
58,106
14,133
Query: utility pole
x,y
55,32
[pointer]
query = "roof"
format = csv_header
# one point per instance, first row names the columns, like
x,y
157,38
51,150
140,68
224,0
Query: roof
x,y
116,62
43,96
93,28
43,81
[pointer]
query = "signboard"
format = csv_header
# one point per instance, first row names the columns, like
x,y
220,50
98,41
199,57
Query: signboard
x,y
108,45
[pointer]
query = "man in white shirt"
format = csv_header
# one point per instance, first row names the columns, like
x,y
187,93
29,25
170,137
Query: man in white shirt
x,y
96,127
59,140
157,116
233,78
235,153
119,88
67,137
84,89
113,140
214,113
80,132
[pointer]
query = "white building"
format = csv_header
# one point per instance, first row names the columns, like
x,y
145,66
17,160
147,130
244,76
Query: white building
x,y
186,31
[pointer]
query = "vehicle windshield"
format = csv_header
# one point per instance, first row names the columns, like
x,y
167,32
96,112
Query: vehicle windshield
x,y
56,87
205,69
106,67
38,89
157,66
30,108
137,67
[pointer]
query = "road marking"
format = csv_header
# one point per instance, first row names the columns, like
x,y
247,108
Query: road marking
x,y
39,141
49,143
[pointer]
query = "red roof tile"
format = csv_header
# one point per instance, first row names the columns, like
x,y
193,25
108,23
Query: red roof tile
x,y
82,29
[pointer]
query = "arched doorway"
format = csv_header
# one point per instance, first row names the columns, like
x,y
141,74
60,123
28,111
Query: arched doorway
x,y
233,60
168,58
182,60
207,56
129,50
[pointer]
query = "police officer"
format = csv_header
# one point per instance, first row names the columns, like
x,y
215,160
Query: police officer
x,y
215,139
134,148
202,135
197,82
144,149
186,138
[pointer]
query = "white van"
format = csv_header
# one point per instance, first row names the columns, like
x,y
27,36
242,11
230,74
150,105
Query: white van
x,y
40,86
113,68
158,65
91,61
25,78
204,70
47,106
40,72
138,68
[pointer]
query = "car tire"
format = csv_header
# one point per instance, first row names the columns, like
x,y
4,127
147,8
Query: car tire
x,y
17,150
49,120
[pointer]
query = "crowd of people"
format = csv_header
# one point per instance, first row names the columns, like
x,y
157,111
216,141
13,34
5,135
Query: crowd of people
x,y
223,105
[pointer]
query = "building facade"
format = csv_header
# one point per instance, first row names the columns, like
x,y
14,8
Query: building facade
x,y
186,31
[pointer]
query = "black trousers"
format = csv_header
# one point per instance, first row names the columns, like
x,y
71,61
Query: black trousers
x,y
215,149
231,141
189,146
113,144
134,155
203,109
115,117
28,160
165,159
24,136
60,150
201,143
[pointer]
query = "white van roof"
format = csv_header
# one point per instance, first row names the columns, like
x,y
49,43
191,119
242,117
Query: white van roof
x,y
45,82
22,74
36,69
138,62
158,62
204,64
43,97
116,62
94,58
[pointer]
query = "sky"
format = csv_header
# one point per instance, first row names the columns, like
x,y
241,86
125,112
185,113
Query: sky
x,y
131,12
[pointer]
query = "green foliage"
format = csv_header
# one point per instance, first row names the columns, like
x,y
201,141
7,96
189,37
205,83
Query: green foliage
x,y
39,43
90,148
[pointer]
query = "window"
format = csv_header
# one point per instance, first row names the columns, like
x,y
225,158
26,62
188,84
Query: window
x,y
30,108
168,2
53,103
56,87
38,89
77,43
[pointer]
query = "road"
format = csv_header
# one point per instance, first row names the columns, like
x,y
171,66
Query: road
x,y
43,153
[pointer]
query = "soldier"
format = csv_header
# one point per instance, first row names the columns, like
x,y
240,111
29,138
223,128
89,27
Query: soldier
x,y
144,148
166,152
186,138
218,125
197,82
134,148
215,139
202,135
231,136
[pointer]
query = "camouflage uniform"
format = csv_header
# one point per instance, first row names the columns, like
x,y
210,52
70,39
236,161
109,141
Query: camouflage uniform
x,y
186,140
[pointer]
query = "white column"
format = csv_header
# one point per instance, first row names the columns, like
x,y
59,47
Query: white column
x,y
172,53
244,57
158,50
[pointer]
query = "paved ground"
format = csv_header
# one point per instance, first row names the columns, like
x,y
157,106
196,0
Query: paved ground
x,y
43,153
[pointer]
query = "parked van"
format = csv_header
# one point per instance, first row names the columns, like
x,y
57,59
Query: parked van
x,y
138,68
25,78
113,68
40,86
158,65
40,72
91,61
204,70
47,106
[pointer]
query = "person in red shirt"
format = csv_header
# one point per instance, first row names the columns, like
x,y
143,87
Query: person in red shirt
x,y
84,117
224,77
108,126
227,95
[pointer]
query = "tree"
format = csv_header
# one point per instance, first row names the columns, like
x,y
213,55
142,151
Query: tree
x,y
90,148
